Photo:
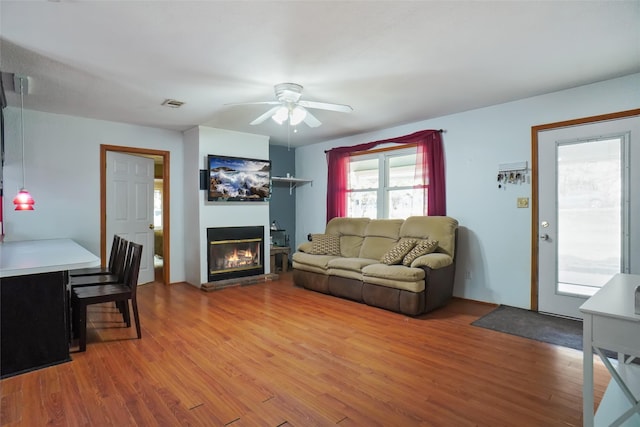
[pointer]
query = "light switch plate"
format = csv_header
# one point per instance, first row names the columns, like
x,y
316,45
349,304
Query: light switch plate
x,y
523,202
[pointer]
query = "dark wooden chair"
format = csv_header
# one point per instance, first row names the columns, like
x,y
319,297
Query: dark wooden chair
x,y
115,273
117,245
121,293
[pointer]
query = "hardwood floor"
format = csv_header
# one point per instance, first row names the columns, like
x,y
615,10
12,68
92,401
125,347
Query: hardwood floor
x,y
272,354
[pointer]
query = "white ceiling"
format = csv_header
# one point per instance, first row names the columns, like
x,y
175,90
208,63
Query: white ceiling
x,y
394,62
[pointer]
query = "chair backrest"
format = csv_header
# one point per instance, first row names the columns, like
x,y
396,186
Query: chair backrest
x,y
132,270
115,248
121,260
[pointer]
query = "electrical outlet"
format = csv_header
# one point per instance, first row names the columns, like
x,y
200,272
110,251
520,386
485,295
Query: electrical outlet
x,y
523,202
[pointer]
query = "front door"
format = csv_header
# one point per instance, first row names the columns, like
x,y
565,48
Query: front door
x,y
130,204
584,210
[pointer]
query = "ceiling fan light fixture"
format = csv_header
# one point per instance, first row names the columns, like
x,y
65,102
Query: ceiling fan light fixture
x,y
281,115
297,115
290,107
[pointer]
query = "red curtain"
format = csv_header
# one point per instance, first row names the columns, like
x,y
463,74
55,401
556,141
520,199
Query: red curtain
x,y
430,160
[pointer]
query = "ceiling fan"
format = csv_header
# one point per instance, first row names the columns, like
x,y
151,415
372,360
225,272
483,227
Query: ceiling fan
x,y
290,107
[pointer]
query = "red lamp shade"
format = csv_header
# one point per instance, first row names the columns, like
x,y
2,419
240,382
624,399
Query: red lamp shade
x,y
23,201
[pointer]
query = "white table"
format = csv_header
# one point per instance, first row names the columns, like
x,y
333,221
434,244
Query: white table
x,y
43,256
34,310
610,323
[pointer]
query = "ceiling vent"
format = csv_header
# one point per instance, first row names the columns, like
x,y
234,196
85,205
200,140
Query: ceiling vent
x,y
172,103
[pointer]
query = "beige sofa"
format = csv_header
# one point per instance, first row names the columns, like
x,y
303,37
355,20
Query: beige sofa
x,y
355,270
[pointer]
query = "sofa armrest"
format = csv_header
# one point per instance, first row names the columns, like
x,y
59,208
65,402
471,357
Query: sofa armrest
x,y
438,286
305,247
433,260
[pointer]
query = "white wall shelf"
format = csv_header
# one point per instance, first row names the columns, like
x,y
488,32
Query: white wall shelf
x,y
293,182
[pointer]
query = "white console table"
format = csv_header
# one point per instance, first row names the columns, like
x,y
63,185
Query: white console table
x,y
610,323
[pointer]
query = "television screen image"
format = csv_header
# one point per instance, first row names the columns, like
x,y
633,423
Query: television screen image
x,y
238,179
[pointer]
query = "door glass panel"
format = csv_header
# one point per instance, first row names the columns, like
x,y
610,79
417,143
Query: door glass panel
x,y
589,214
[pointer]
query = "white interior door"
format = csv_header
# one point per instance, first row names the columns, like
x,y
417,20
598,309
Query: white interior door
x,y
130,205
588,210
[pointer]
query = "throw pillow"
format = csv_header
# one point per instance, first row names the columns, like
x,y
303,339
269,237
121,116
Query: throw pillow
x,y
325,244
397,252
421,248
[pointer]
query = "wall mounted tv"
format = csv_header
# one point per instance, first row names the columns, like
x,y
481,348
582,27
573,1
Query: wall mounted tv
x,y
238,179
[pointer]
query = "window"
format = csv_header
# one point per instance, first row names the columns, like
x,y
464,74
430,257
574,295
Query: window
x,y
157,204
384,184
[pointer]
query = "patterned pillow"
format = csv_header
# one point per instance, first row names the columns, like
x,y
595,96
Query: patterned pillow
x,y
397,252
325,244
422,248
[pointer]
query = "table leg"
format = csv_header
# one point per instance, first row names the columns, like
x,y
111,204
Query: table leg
x,y
587,366
635,404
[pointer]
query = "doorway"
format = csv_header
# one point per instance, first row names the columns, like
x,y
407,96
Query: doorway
x,y
583,209
162,159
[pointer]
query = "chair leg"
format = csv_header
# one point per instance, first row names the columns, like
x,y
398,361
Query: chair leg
x,y
74,321
136,317
121,307
82,325
126,316
125,313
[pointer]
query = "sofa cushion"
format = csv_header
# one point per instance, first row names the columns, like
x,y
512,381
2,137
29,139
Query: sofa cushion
x,y
422,247
318,261
380,236
347,226
350,246
325,244
394,276
304,247
440,228
350,268
351,232
345,274
396,254
395,272
353,264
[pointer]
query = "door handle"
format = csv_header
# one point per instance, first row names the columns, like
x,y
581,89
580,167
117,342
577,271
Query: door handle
x,y
544,236
151,227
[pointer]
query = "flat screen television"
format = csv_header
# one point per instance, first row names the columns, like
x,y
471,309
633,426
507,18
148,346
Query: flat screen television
x,y
238,179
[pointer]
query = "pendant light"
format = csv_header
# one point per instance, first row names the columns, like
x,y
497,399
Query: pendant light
x,y
23,200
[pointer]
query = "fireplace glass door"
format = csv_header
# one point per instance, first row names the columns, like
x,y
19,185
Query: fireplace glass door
x,y
235,252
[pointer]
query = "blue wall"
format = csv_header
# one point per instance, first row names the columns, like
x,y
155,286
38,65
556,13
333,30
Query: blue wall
x,y
282,206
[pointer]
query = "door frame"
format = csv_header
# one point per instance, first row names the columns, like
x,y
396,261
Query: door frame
x,y
535,238
104,148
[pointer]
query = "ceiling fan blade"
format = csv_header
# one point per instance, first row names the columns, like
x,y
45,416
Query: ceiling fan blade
x,y
255,103
326,106
311,120
266,115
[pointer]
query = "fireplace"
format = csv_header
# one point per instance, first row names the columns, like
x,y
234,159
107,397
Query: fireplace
x,y
235,252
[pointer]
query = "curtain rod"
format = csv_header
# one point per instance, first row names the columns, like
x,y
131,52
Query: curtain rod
x,y
439,131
